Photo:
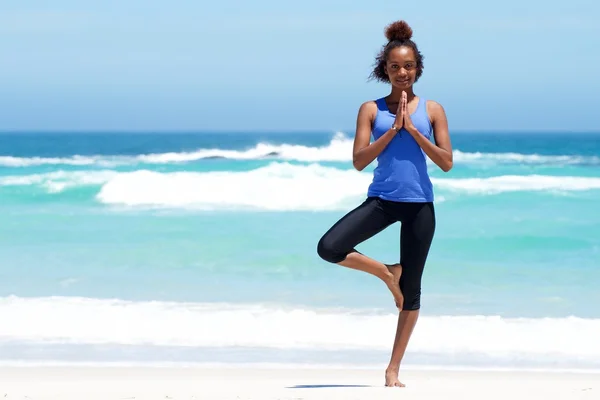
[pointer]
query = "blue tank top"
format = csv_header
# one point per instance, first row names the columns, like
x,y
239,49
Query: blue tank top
x,y
401,172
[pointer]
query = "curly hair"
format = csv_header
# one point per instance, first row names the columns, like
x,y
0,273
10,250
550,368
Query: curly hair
x,y
399,34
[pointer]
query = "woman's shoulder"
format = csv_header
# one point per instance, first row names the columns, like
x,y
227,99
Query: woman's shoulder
x,y
371,104
370,107
433,106
434,109
375,105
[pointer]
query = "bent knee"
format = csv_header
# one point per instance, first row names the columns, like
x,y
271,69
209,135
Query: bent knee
x,y
327,250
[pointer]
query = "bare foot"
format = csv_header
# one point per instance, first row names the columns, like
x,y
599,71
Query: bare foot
x,y
391,379
394,284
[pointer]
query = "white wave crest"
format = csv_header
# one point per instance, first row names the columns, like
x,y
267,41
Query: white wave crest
x,y
338,149
58,181
518,158
282,186
277,186
95,321
77,160
518,183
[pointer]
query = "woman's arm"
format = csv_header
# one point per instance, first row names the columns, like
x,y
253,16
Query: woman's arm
x,y
364,152
440,152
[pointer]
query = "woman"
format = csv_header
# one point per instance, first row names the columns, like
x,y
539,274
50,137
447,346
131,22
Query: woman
x,y
402,125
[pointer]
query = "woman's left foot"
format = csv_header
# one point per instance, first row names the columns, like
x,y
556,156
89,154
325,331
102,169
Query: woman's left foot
x,y
391,379
396,270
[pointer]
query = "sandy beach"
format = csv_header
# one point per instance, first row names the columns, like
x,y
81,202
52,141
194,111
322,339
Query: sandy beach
x,y
108,383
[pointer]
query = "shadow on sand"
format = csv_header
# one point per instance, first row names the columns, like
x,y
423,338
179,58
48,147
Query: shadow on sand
x,y
325,386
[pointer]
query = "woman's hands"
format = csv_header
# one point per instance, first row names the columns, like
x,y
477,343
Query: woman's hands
x,y
405,115
399,121
440,152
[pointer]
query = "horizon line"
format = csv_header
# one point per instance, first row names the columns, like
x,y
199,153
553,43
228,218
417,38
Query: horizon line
x,y
275,131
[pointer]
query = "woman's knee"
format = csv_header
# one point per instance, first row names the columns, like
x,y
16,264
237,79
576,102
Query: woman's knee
x,y
328,251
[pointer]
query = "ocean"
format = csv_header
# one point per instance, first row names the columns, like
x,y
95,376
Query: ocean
x,y
200,248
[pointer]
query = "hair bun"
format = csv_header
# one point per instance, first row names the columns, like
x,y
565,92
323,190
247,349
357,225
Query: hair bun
x,y
398,30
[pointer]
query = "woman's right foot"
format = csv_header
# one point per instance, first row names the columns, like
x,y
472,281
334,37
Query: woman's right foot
x,y
393,283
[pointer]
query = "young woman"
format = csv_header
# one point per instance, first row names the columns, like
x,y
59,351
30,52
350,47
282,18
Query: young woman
x,y
402,125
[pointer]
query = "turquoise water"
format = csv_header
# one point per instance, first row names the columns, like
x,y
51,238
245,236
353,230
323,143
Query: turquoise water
x,y
202,248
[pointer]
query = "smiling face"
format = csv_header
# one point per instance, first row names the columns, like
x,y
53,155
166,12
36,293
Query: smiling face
x,y
401,67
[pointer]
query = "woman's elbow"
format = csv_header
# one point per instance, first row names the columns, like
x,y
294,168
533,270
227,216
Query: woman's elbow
x,y
358,166
446,166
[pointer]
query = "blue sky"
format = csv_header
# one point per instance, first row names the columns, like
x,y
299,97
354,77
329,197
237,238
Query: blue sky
x,y
276,65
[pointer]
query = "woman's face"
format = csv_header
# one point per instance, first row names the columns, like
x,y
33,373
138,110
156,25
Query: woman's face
x,y
401,67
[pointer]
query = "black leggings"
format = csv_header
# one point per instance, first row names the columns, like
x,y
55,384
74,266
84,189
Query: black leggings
x,y
373,216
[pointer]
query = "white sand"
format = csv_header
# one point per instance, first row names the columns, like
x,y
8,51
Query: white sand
x,y
108,383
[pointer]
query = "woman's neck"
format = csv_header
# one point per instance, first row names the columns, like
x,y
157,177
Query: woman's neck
x,y
396,94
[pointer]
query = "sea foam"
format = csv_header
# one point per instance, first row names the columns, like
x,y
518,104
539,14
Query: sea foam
x,y
278,186
339,148
64,320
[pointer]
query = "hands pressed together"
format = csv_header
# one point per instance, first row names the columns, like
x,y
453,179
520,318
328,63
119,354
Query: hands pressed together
x,y
403,116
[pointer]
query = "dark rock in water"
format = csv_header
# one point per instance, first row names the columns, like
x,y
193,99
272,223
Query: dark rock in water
x,y
272,154
213,158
